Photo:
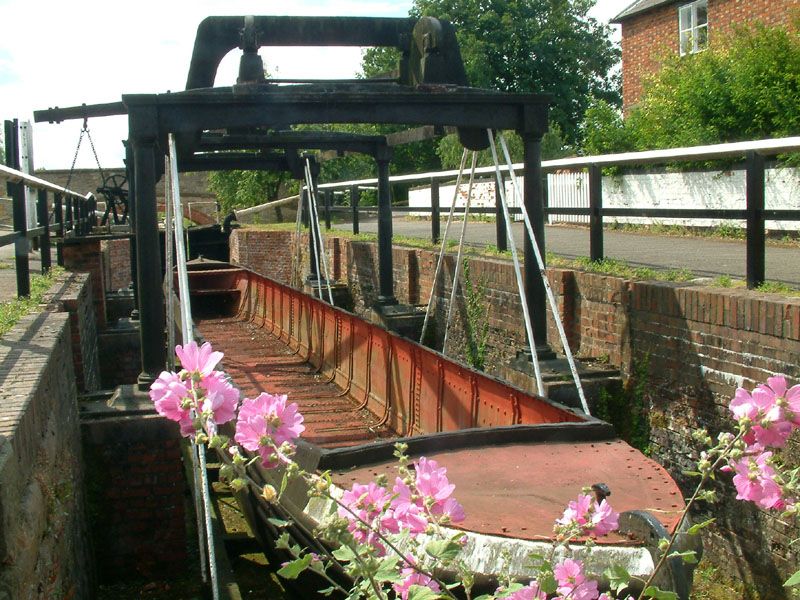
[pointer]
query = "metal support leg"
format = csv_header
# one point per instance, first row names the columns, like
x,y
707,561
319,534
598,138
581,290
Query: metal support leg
x,y
17,193
151,296
355,196
385,267
328,202
130,172
59,212
500,224
534,286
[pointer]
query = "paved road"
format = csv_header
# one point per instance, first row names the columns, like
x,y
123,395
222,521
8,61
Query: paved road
x,y
8,274
705,257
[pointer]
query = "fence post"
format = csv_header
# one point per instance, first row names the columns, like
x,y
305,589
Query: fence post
x,y
435,224
499,219
596,212
59,210
756,271
17,193
355,196
43,216
328,201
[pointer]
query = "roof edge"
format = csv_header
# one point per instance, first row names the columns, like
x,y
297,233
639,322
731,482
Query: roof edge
x,y
638,7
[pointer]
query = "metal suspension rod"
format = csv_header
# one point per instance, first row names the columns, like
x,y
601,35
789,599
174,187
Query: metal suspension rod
x,y
520,286
323,254
457,272
548,290
188,336
444,245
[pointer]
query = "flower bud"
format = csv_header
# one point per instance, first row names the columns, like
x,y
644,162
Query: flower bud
x,y
238,484
269,493
200,439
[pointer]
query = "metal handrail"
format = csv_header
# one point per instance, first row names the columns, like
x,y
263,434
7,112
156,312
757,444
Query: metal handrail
x,y
14,176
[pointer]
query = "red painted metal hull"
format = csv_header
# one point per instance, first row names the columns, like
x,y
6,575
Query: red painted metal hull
x,y
516,459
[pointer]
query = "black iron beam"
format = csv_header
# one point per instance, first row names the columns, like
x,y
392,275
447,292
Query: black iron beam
x,y
225,161
385,265
435,219
418,134
595,213
84,111
355,197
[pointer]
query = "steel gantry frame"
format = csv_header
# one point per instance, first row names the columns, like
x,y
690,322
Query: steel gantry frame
x,y
227,128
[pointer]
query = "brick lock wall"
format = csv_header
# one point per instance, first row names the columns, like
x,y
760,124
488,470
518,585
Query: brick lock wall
x,y
137,494
44,548
72,293
85,256
652,35
116,264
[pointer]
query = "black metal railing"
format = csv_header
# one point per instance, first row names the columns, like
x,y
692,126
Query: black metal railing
x,y
73,214
754,214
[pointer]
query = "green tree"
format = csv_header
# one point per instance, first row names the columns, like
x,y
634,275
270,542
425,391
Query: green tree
x,y
240,189
745,86
535,46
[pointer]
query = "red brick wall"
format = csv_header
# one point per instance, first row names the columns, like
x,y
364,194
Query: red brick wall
x,y
649,36
85,256
116,264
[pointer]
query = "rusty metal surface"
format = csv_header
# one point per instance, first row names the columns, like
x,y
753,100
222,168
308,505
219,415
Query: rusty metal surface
x,y
355,382
519,490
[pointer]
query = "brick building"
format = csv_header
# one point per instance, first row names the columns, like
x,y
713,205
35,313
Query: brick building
x,y
653,29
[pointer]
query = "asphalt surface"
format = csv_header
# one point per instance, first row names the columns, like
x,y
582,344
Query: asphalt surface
x,y
705,257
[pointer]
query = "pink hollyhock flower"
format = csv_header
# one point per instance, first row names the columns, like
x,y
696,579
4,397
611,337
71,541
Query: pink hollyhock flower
x,y
431,480
604,519
529,592
408,513
266,422
772,409
755,481
451,509
413,577
368,514
572,582
171,395
222,399
200,360
591,518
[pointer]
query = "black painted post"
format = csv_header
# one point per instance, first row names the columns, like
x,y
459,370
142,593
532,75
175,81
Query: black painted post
x,y
328,202
43,216
313,267
756,236
59,210
499,218
385,266
596,213
130,172
435,212
534,286
17,193
355,196
151,296
76,216
70,226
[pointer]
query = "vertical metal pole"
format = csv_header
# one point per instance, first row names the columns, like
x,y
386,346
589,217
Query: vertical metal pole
x,y
328,202
355,197
151,296
500,225
76,216
17,193
534,286
435,212
59,209
385,267
596,210
43,217
70,226
756,237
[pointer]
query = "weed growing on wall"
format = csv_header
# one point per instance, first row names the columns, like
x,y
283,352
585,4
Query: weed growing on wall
x,y
477,329
626,408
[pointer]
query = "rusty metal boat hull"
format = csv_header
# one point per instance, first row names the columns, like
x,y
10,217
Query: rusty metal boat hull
x,y
516,459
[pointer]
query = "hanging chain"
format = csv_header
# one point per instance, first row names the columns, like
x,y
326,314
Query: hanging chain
x,y
77,150
91,143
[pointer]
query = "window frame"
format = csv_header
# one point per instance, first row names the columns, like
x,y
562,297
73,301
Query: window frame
x,y
688,37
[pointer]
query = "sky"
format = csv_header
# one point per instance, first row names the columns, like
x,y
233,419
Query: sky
x,y
56,53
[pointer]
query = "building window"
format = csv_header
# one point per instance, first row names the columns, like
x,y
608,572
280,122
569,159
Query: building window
x,y
693,25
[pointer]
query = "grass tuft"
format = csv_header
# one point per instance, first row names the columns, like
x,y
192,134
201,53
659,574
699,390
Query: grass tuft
x,y
11,311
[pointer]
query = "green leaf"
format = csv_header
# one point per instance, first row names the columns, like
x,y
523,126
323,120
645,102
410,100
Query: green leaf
x,y
689,557
793,580
657,594
293,569
343,554
618,577
547,582
445,550
692,473
419,592
387,571
327,591
282,542
697,527
284,483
